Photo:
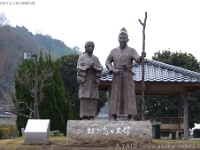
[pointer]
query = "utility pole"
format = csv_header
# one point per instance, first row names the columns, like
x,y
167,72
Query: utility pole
x,y
35,88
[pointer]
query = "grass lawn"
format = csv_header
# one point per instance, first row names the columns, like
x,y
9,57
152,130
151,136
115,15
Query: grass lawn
x,y
18,144
59,143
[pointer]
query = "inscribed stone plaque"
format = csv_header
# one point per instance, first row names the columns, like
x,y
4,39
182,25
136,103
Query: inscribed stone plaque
x,y
104,133
37,131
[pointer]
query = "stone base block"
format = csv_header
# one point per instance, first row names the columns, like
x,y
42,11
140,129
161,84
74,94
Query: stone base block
x,y
104,133
37,131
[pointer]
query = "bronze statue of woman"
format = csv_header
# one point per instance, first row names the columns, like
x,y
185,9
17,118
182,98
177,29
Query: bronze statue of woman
x,y
89,71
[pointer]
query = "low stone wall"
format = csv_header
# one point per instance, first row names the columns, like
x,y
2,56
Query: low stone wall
x,y
104,133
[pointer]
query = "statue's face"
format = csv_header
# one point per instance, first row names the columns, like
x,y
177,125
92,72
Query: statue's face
x,y
89,48
123,40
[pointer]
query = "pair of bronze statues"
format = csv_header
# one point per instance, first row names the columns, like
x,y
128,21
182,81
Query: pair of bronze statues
x,y
120,63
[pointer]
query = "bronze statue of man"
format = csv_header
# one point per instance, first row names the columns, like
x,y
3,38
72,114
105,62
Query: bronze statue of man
x,y
89,71
120,62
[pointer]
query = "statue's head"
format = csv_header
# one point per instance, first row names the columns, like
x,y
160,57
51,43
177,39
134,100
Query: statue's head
x,y
89,47
123,38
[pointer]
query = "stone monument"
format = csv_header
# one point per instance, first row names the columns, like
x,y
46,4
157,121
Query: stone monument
x,y
37,131
107,133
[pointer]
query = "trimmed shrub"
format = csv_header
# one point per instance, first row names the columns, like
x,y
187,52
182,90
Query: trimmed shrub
x,y
4,132
8,131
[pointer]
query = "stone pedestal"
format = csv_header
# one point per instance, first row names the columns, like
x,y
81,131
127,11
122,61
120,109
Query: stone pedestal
x,y
104,133
37,131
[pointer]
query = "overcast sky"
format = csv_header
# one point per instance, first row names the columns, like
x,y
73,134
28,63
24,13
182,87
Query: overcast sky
x,y
171,24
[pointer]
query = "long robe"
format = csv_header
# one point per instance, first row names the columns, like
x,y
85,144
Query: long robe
x,y
88,80
122,99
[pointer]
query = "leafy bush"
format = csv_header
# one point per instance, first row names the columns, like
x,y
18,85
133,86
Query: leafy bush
x,y
196,133
8,131
4,132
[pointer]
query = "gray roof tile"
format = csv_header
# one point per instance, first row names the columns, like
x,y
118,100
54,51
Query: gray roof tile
x,y
158,71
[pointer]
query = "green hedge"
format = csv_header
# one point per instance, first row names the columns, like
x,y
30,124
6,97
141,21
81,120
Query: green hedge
x,y
8,131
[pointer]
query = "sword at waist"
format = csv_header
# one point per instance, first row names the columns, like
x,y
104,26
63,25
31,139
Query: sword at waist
x,y
126,70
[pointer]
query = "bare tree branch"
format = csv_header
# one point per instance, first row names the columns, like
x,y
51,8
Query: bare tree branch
x,y
21,114
25,79
46,75
3,20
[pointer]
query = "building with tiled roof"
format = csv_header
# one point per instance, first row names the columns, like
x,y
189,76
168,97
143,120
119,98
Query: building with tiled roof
x,y
175,80
162,79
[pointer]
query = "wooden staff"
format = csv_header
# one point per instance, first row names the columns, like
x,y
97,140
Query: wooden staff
x,y
143,55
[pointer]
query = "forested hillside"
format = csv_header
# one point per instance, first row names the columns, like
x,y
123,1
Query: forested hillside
x,y
14,41
56,47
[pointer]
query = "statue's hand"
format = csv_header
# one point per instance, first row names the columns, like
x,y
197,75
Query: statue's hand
x,y
91,64
144,54
116,71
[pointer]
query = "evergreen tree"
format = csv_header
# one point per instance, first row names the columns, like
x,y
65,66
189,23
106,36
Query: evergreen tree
x,y
23,98
67,67
180,59
53,103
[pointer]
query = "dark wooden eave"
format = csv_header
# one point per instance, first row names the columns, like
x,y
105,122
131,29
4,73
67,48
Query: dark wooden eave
x,y
159,88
